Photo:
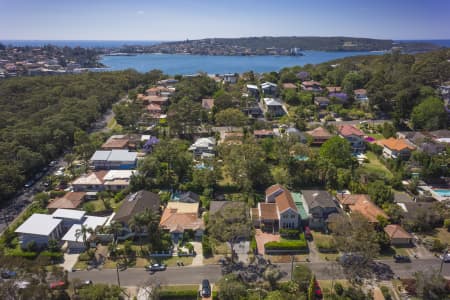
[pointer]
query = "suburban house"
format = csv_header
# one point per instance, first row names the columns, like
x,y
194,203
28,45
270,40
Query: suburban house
x,y
277,212
354,136
40,229
423,141
208,103
179,217
360,95
154,110
396,148
114,159
273,107
136,203
321,206
398,236
189,197
321,102
230,78
217,206
69,217
319,136
116,142
116,180
302,75
334,89
341,98
263,133
75,238
253,90
290,86
269,88
92,182
413,211
441,136
112,180
232,137
203,147
312,86
361,203
71,200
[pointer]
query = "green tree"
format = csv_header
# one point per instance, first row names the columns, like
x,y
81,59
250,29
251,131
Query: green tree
x,y
230,225
337,151
302,276
231,288
379,192
231,117
430,114
184,117
84,232
431,285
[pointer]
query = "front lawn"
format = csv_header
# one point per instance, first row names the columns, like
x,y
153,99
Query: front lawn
x,y
324,242
374,166
172,261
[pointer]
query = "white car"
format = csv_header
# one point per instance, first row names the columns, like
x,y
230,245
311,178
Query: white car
x,y
445,258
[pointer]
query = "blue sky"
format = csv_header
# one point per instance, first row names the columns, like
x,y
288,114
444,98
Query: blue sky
x,y
178,19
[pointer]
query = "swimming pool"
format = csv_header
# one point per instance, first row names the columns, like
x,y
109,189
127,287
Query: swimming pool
x,y
443,193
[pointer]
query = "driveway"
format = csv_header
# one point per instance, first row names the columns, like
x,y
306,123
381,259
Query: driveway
x,y
198,259
263,238
69,261
242,249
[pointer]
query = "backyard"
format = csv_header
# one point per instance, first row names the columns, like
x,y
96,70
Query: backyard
x,y
374,166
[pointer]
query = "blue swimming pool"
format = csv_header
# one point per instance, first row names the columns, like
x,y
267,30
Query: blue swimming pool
x,y
443,193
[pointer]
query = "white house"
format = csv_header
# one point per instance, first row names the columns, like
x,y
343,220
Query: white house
x,y
396,148
230,78
114,159
69,217
39,228
116,180
273,107
269,88
74,237
203,146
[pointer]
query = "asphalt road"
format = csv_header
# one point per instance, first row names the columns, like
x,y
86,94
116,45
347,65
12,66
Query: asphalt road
x,y
194,275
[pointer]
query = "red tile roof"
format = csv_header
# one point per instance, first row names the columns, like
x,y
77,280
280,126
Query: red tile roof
x,y
333,89
268,211
319,132
361,203
348,130
396,144
397,232
70,200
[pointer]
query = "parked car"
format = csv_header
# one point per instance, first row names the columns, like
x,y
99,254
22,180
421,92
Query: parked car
x,y
402,259
308,234
445,258
6,274
83,283
206,288
156,267
57,285
53,163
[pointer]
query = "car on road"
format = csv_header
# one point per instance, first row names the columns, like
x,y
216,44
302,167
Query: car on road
x,y
6,274
60,171
445,258
402,259
83,284
53,163
206,289
28,184
156,267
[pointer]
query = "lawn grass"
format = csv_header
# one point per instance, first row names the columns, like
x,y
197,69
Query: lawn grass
x,y
112,124
180,287
376,167
325,286
286,258
222,248
82,265
443,235
172,261
213,259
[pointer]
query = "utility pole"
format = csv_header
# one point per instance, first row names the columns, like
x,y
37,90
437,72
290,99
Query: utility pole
x,y
118,276
444,255
292,267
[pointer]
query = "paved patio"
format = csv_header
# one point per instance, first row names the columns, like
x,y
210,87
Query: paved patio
x,y
263,238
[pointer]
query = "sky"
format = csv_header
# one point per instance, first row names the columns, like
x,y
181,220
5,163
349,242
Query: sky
x,y
195,19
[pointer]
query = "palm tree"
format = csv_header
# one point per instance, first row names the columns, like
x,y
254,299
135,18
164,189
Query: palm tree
x,y
137,224
115,228
83,232
152,222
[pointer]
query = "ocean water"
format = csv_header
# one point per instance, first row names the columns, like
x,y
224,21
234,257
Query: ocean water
x,y
173,64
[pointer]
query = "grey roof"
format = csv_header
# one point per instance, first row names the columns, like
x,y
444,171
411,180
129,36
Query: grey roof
x,y
71,214
114,155
122,155
215,206
39,224
189,195
101,155
414,210
319,198
136,203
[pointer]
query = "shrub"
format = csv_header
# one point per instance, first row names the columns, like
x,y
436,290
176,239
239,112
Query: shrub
x,y
253,245
338,288
289,233
386,293
438,246
206,246
190,247
287,245
21,253
179,294
447,224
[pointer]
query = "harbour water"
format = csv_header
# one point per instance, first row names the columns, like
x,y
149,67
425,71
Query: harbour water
x,y
189,64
